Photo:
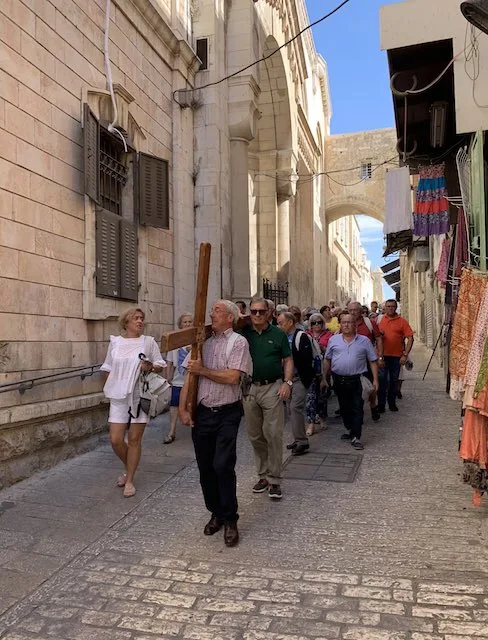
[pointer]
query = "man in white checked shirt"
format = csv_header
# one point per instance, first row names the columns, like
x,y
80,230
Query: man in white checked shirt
x,y
225,357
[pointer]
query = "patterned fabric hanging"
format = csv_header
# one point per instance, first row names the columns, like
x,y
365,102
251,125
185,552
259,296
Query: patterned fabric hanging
x,y
431,217
443,266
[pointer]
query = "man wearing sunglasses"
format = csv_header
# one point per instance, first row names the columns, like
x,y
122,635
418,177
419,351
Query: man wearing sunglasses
x,y
263,408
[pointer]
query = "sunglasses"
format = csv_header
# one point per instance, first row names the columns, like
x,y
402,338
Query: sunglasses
x,y
256,312
316,322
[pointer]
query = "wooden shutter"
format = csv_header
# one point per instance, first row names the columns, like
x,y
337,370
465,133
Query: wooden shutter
x,y
91,142
108,253
129,282
153,191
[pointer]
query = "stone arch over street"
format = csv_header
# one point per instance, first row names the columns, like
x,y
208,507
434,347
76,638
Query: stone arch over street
x,y
354,206
358,163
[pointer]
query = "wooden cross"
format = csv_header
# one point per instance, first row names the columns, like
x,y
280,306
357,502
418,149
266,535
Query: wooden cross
x,y
196,335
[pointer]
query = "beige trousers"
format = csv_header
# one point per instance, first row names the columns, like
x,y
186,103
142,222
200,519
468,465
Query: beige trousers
x,y
265,418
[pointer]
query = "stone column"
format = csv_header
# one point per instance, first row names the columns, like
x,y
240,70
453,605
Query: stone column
x,y
243,115
239,187
283,238
285,189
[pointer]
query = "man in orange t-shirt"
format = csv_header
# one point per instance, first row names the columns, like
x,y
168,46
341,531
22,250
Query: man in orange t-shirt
x,y
397,344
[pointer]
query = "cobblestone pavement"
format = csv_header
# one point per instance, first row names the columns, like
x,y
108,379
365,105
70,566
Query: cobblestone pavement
x,y
399,554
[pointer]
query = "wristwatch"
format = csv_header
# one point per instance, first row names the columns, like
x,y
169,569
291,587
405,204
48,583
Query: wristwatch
x,y
289,383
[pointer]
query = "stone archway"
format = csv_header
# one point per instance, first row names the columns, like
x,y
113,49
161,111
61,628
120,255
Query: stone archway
x,y
357,164
353,205
348,257
271,164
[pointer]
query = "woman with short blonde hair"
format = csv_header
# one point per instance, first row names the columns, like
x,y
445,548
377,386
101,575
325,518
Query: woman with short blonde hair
x,y
124,364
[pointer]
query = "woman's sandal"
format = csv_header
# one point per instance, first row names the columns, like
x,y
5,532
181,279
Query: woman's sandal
x,y
129,490
121,480
169,439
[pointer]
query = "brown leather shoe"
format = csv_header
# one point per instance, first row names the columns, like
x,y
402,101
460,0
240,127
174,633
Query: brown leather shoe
x,y
212,526
231,534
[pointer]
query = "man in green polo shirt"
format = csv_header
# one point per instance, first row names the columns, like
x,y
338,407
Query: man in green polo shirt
x,y
263,408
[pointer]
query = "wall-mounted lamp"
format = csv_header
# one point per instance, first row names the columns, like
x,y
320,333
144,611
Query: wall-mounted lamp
x,y
476,12
438,120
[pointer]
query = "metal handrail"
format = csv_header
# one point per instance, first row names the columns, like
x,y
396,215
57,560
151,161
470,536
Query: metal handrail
x,y
24,385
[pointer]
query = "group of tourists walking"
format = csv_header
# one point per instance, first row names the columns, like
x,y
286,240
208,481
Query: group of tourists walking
x,y
267,364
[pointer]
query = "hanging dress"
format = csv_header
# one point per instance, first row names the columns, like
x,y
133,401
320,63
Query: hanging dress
x,y
431,215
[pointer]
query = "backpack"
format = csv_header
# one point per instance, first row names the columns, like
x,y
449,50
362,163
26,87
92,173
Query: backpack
x,y
369,324
154,391
316,351
246,380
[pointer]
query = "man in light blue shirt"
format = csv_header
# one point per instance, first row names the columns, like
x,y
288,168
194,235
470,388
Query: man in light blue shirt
x,y
347,357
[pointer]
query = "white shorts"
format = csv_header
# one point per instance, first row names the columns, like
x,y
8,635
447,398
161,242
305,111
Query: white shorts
x,y
119,413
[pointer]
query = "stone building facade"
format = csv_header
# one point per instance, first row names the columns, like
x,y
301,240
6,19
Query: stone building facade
x,y
73,254
260,140
351,276
108,188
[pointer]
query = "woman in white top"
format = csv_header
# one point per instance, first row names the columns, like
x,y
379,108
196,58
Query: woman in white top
x,y
122,389
176,375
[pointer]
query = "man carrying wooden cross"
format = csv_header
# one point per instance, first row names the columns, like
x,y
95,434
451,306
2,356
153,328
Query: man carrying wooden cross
x,y
225,357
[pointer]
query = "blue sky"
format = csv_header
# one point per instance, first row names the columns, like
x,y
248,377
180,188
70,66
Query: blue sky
x,y
359,82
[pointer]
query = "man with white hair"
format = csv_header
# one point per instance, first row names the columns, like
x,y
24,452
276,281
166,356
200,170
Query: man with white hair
x,y
225,358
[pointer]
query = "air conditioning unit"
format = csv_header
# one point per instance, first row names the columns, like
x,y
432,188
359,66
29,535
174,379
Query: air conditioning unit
x,y
420,259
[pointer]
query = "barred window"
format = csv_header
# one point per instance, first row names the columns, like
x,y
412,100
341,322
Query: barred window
x,y
366,170
129,189
113,172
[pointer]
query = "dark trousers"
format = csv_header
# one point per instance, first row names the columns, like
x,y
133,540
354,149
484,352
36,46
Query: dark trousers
x,y
388,380
214,439
350,395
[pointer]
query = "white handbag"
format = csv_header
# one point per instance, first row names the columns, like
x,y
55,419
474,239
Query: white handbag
x,y
367,388
155,393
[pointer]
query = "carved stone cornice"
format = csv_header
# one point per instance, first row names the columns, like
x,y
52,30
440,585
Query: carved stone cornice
x,y
306,142
156,21
277,4
243,110
291,25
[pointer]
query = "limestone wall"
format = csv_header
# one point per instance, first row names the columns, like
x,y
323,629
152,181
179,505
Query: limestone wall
x,y
346,193
51,62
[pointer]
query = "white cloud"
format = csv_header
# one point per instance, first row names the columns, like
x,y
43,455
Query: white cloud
x,y
369,224
370,240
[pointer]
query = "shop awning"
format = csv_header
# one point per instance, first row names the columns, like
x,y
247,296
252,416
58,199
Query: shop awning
x,y
392,278
394,264
397,241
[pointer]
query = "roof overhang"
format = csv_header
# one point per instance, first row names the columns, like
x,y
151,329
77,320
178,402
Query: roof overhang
x,y
415,67
413,24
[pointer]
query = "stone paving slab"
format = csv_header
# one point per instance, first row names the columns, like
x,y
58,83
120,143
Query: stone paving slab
x,y
398,554
324,467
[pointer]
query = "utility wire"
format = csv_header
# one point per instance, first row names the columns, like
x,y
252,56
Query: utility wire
x,y
269,55
304,178
353,184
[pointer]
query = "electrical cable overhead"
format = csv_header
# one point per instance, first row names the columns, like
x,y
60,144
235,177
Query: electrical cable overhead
x,y
305,178
108,74
414,92
269,55
472,56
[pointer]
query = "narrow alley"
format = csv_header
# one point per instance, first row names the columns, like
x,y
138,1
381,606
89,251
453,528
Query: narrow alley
x,y
397,554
